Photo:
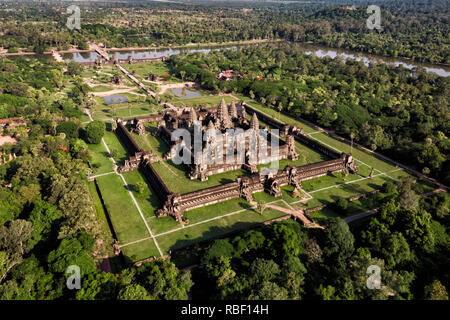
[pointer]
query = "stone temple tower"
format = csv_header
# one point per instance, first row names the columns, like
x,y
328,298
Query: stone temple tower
x,y
233,110
223,120
192,117
254,123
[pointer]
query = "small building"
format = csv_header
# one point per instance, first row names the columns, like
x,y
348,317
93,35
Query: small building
x,y
12,122
225,75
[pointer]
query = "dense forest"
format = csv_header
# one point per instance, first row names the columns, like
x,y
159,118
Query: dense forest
x,y
408,241
411,30
47,220
395,111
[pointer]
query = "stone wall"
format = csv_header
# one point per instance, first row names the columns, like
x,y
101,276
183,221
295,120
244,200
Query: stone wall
x,y
126,138
156,182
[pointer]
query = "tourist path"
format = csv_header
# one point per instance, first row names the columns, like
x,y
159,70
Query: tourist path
x,y
136,81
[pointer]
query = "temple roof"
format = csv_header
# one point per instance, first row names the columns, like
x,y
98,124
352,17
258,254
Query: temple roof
x,y
254,123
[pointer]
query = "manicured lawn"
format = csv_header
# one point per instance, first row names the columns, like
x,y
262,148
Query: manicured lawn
x,y
162,224
125,217
141,250
215,228
99,157
147,201
360,155
215,210
333,194
328,180
176,178
101,89
114,143
143,70
275,114
137,106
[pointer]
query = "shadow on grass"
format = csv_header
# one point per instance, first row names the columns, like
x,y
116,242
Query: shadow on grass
x,y
153,199
245,205
211,233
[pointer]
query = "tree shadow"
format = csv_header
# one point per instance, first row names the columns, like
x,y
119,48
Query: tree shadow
x,y
212,234
245,205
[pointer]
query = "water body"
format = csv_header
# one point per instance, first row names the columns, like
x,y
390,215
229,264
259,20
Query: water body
x,y
188,93
316,50
80,56
158,53
367,59
116,99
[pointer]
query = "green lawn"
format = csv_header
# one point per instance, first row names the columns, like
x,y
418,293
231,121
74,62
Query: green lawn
x,y
125,217
215,228
176,178
141,250
99,157
136,106
114,143
143,70
147,201
275,114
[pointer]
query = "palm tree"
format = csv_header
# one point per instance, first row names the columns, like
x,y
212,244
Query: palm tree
x,y
352,136
182,74
280,107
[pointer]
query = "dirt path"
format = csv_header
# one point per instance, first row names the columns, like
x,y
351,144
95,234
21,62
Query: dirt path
x,y
164,87
116,91
374,211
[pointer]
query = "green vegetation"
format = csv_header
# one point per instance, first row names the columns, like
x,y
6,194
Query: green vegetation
x,y
416,31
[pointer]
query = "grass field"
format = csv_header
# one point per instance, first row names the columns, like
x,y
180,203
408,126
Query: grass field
x,y
137,105
144,69
208,100
124,215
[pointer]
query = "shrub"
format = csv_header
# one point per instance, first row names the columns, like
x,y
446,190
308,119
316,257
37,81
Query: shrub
x,y
342,205
69,128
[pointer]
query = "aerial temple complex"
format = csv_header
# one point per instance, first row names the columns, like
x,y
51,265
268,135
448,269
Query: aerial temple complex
x,y
224,117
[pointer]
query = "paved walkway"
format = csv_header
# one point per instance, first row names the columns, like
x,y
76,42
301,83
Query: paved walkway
x,y
361,215
136,81
297,214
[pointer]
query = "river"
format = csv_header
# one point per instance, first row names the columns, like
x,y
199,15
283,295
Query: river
x,y
317,50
